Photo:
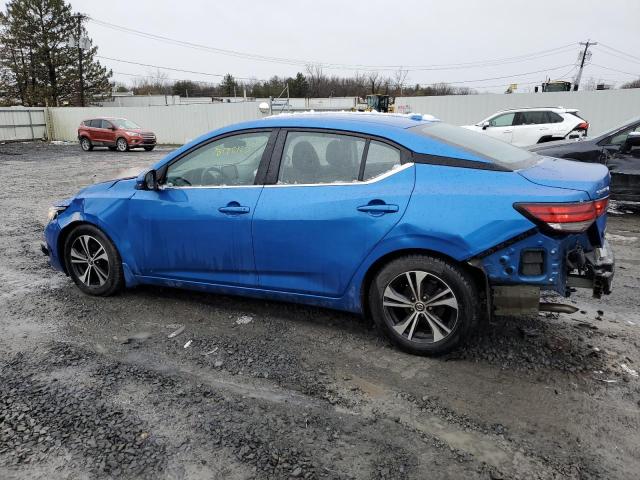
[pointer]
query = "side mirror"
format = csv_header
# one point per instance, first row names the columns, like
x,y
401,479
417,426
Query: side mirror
x,y
484,125
632,141
150,181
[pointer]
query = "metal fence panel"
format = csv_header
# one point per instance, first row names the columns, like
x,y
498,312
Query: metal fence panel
x,y
603,109
173,124
22,124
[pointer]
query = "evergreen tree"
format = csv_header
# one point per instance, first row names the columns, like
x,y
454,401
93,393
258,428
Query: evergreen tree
x,y
298,87
37,63
229,85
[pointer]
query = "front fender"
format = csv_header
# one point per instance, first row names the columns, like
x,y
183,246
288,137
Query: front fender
x,y
104,206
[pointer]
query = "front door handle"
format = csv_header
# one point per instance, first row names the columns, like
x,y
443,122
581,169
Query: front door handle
x,y
378,208
234,208
507,131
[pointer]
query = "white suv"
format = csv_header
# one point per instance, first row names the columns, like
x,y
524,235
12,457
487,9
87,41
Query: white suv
x,y
527,126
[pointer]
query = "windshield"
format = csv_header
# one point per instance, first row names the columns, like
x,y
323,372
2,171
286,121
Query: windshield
x,y
628,124
124,123
493,150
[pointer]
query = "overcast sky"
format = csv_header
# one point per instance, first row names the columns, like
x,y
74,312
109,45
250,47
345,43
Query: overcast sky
x,y
412,33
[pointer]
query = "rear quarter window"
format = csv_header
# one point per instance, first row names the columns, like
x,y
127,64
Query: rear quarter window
x,y
479,144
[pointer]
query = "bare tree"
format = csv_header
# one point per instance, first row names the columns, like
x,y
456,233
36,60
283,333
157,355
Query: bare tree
x,y
399,78
372,78
632,84
316,79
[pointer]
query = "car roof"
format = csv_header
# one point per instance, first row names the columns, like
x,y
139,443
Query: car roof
x,y
553,109
104,118
393,127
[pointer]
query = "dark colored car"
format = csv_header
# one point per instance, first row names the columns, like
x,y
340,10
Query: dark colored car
x,y
618,149
115,133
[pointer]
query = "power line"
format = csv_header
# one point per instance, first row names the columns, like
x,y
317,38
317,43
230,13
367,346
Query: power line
x,y
606,52
299,62
619,51
615,70
174,69
512,76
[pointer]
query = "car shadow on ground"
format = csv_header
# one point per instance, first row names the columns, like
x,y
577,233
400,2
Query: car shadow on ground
x,y
544,342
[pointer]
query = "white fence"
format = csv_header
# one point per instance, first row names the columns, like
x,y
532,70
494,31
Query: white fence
x,y
19,123
174,124
603,109
177,124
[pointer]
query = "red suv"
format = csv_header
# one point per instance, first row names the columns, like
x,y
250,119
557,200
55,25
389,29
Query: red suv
x,y
116,133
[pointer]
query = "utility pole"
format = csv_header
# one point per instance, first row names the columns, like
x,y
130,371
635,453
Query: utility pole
x,y
79,17
587,44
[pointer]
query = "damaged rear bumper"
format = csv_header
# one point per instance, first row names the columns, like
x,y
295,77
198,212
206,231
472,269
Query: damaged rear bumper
x,y
595,270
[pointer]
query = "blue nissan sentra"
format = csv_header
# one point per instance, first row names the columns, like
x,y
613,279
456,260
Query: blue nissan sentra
x,y
423,226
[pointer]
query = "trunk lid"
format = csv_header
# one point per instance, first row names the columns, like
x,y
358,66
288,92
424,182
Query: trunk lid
x,y
591,178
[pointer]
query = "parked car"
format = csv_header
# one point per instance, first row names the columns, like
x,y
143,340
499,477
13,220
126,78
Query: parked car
x,y
419,224
528,126
618,149
115,133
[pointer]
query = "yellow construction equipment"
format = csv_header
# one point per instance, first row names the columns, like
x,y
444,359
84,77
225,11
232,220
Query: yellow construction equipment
x,y
377,102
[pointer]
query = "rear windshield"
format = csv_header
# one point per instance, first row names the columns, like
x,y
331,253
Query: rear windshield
x,y
491,149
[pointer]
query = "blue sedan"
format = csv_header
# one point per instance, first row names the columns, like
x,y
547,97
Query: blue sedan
x,y
423,226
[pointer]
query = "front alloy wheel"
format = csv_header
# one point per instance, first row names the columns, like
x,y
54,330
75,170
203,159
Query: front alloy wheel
x,y
122,145
92,261
85,144
424,305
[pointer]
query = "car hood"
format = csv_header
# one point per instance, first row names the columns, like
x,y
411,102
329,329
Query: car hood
x,y
475,128
102,187
592,178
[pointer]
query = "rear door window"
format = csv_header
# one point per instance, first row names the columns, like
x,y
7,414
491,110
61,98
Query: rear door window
x,y
96,124
381,158
533,118
317,158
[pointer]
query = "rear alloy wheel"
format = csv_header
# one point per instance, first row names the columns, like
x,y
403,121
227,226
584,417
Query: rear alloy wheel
x,y
93,262
122,145
424,305
86,144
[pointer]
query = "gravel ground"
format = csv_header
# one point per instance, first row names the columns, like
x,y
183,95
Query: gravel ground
x,y
94,388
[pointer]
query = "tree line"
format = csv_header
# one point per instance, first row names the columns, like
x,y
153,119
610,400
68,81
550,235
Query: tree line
x,y
313,83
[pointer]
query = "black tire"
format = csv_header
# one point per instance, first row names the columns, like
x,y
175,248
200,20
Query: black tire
x,y
439,328
113,149
106,276
85,144
122,145
148,149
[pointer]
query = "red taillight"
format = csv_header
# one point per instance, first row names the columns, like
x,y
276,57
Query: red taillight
x,y
582,126
564,217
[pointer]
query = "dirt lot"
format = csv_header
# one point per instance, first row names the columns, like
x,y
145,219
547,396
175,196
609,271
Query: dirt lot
x,y
93,388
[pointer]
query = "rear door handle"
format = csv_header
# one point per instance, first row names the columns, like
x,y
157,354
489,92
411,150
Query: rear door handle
x,y
378,209
234,208
507,131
